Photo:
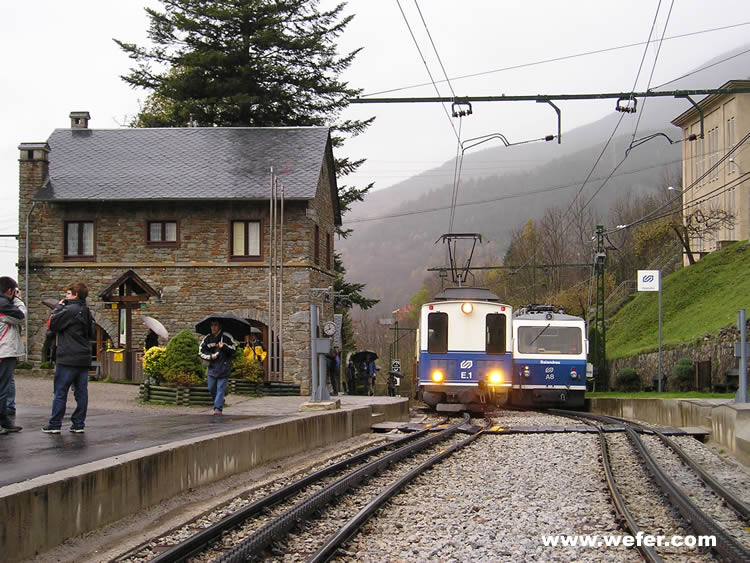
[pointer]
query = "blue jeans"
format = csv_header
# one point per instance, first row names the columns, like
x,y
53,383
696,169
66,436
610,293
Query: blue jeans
x,y
12,393
217,386
7,366
65,376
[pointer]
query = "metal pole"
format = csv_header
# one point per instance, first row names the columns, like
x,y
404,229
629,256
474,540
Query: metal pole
x,y
26,281
272,295
659,368
742,322
313,353
269,344
281,288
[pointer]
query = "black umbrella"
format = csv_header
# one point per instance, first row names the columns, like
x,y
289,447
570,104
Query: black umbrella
x,y
357,357
230,323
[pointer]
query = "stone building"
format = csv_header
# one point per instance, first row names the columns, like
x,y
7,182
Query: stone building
x,y
721,124
187,212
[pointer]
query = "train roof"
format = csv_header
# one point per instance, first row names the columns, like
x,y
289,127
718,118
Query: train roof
x,y
545,316
545,312
466,293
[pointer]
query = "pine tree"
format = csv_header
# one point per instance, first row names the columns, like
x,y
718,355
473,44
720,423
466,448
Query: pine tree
x,y
248,63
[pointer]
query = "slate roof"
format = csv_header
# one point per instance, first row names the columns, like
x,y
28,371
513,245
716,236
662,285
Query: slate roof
x,y
183,163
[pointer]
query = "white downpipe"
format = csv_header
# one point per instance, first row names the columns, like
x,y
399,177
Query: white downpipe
x,y
26,281
281,287
270,278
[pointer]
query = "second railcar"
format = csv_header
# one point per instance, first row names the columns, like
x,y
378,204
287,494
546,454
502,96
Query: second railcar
x,y
465,344
549,358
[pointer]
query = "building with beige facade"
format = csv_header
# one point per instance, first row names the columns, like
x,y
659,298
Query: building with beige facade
x,y
716,165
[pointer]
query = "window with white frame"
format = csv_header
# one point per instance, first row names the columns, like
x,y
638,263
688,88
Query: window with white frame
x,y
698,158
731,168
713,153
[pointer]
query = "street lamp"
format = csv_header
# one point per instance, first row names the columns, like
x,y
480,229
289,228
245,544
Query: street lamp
x,y
734,162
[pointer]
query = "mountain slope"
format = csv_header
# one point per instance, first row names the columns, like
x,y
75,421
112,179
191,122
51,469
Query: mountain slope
x,y
395,229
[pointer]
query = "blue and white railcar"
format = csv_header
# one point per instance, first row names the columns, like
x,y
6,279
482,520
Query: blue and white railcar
x,y
465,344
549,358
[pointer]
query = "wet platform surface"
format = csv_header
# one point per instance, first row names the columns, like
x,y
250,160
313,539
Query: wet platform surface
x,y
31,453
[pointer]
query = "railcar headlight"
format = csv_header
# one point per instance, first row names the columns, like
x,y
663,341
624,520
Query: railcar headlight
x,y
526,371
437,376
573,373
467,308
496,377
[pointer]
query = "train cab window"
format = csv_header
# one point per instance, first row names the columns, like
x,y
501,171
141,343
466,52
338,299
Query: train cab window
x,y
437,333
495,330
549,340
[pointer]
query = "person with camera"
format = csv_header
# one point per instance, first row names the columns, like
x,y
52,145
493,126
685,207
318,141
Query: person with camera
x,y
12,315
73,324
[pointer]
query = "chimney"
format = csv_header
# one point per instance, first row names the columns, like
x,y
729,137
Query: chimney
x,y
79,119
33,172
34,151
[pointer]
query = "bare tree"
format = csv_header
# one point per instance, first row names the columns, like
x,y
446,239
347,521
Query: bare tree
x,y
700,224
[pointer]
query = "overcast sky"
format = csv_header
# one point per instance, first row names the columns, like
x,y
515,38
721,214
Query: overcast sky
x,y
58,56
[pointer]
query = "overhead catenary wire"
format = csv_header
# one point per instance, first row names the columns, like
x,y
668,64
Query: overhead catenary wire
x,y
500,198
694,183
424,62
573,56
640,114
456,164
617,126
703,68
606,145
651,76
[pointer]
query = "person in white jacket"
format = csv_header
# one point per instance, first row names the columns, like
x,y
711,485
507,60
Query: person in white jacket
x,y
12,315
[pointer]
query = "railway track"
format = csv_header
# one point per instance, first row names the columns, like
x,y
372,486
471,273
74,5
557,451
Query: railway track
x,y
250,531
729,533
527,476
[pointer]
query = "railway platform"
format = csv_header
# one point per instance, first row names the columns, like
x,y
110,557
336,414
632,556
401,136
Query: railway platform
x,y
132,456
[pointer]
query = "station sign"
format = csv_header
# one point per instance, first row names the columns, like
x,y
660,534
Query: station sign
x,y
649,280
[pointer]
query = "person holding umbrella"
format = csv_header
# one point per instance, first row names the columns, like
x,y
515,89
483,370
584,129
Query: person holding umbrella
x,y
156,331
217,347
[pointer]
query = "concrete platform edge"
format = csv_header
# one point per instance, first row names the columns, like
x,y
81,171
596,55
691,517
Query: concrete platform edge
x,y
43,512
728,422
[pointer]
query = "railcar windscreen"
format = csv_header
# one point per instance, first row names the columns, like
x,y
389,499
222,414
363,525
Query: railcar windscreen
x,y
496,333
437,333
549,340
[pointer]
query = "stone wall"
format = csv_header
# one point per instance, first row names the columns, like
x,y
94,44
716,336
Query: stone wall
x,y
718,348
194,278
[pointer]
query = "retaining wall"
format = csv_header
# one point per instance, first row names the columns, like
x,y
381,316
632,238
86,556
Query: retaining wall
x,y
729,423
40,513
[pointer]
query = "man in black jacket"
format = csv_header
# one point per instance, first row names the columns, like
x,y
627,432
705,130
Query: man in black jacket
x,y
73,325
218,348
